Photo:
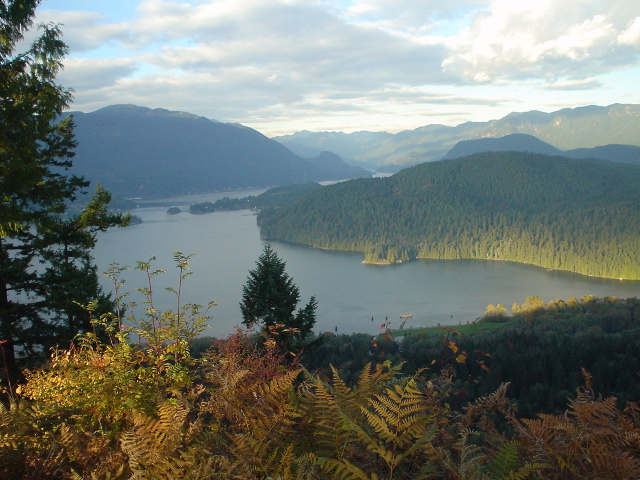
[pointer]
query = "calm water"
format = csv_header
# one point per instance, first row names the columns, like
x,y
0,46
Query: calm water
x,y
226,246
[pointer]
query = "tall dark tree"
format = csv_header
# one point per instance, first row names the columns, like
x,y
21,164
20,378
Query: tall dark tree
x,y
43,252
270,298
69,274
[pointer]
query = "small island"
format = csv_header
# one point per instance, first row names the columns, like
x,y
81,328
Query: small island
x,y
173,211
135,220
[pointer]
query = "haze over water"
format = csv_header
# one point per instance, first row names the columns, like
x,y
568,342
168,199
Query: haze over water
x,y
226,246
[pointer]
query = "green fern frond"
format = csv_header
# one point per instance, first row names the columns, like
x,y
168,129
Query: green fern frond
x,y
504,461
467,464
19,425
286,465
528,470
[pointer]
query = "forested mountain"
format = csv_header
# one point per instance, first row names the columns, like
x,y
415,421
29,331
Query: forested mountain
x,y
568,214
516,142
339,169
584,127
139,152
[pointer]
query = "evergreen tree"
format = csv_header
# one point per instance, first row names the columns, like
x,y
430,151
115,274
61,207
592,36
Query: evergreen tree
x,y
70,276
270,297
44,254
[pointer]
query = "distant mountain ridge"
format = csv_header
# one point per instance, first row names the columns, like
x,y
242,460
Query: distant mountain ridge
x,y
332,162
613,153
141,152
520,142
566,129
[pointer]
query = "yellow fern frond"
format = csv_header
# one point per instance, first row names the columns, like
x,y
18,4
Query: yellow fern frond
x,y
343,470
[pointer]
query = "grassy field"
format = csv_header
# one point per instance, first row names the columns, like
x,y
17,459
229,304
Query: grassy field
x,y
478,326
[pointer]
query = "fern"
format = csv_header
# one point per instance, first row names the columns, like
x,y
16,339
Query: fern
x,y
467,467
390,419
263,440
506,464
593,439
326,417
117,475
26,448
154,445
344,470
16,422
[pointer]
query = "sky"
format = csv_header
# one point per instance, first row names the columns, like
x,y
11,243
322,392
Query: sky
x,y
281,66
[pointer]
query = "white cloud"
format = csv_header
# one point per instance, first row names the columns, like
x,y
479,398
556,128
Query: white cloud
x,y
359,59
299,46
542,39
91,74
85,31
586,84
416,16
631,36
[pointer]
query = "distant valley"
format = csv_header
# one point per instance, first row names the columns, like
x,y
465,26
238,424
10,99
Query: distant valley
x,y
568,129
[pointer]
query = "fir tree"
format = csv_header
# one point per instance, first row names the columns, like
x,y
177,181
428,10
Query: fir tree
x,y
44,254
269,298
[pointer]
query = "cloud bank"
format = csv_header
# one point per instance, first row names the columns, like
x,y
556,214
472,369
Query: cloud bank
x,y
286,65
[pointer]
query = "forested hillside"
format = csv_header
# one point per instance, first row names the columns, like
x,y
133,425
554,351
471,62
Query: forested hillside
x,y
516,142
539,350
577,215
612,152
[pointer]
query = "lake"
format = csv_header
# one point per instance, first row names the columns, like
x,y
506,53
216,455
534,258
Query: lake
x,y
226,246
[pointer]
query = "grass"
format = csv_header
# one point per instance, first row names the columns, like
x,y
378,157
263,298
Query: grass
x,y
479,325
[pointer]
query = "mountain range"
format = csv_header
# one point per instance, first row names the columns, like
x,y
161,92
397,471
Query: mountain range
x,y
520,142
566,129
141,152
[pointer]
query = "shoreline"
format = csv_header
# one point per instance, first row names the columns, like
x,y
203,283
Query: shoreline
x,y
386,262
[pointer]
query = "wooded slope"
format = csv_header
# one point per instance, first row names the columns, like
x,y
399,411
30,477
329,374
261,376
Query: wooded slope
x,y
568,214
